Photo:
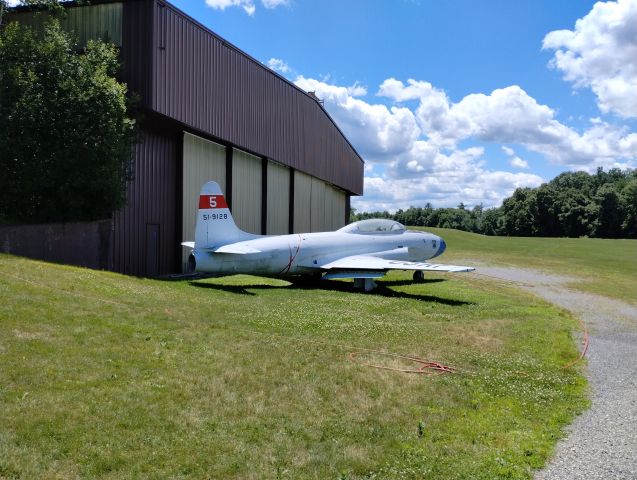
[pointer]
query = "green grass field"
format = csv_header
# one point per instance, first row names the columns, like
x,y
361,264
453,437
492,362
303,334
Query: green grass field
x,y
603,266
107,376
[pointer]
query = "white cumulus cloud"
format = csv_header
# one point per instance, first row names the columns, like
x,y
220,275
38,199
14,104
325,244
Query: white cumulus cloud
x,y
510,115
278,65
517,162
601,53
508,150
248,6
514,160
274,3
484,187
415,170
378,132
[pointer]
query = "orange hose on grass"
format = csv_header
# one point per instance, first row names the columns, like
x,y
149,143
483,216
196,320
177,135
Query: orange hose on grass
x,y
427,367
585,346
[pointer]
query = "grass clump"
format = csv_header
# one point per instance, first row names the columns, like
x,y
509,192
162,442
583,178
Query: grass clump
x,y
107,376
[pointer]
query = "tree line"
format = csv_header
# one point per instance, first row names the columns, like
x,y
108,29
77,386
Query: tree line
x,y
573,204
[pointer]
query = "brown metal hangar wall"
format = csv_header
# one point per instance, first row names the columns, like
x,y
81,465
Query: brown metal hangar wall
x,y
145,240
212,87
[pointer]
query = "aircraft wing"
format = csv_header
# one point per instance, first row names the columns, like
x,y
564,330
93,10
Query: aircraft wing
x,y
368,262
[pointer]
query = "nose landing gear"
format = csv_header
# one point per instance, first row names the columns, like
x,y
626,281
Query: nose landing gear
x,y
419,276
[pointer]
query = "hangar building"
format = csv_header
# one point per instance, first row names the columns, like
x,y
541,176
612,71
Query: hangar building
x,y
212,112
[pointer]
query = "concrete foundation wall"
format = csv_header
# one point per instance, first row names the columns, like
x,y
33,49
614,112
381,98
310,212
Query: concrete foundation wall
x,y
85,244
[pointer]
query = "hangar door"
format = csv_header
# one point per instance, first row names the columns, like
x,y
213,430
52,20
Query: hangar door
x,y
246,191
278,207
336,203
328,207
302,202
319,215
318,206
203,160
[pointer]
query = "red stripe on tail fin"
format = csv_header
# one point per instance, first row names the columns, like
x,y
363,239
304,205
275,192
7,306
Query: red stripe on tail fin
x,y
212,201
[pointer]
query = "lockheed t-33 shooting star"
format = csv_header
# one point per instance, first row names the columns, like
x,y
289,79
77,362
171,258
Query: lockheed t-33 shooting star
x,y
362,250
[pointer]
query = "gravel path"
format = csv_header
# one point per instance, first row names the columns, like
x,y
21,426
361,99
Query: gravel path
x,y
602,442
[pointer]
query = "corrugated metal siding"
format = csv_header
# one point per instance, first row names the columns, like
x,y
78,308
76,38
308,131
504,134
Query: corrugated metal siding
x,y
87,22
246,191
335,200
318,216
201,81
302,202
318,207
203,161
152,200
278,199
137,50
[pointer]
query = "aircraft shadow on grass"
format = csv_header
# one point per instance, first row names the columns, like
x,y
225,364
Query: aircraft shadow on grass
x,y
383,289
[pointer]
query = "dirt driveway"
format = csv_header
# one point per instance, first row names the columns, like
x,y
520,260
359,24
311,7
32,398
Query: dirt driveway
x,y
602,442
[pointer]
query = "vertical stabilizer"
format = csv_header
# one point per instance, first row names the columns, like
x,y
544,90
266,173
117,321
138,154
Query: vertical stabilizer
x,y
215,225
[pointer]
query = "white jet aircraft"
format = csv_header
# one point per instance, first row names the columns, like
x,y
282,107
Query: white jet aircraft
x,y
362,250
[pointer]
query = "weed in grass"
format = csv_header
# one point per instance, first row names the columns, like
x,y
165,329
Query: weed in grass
x,y
421,428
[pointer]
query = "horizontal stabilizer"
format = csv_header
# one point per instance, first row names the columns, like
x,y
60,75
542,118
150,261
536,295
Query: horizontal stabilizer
x,y
237,249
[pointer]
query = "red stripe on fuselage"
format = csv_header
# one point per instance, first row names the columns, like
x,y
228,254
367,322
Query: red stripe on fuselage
x,y
212,201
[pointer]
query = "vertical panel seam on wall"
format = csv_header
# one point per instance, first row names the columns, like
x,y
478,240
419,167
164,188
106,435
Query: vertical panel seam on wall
x,y
264,195
229,176
291,203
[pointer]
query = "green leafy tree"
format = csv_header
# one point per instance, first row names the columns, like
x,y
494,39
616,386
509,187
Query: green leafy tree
x,y
607,214
575,213
492,222
547,221
65,133
628,200
520,213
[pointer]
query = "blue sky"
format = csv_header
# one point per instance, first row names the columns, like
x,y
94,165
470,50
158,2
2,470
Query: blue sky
x,y
451,101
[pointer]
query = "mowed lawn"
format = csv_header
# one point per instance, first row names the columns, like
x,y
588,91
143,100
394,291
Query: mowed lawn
x,y
108,376
607,267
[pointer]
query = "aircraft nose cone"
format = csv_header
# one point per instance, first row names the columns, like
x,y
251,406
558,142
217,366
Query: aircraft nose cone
x,y
442,246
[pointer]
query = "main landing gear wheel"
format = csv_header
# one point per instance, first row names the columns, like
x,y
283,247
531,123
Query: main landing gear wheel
x,y
419,276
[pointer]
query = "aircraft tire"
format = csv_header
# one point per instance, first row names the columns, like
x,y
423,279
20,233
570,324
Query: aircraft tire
x,y
419,276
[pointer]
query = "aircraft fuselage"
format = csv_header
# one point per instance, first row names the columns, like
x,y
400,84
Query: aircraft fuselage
x,y
298,254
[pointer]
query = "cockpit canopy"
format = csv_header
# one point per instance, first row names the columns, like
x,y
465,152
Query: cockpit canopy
x,y
374,226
